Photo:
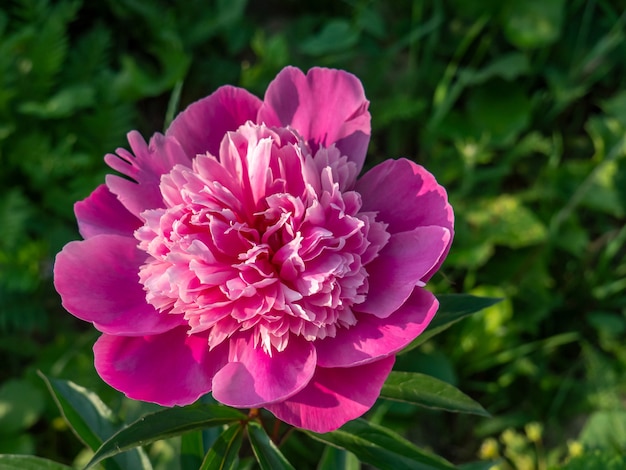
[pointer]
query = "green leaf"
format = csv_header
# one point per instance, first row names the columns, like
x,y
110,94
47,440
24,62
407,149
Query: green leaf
x,y
337,35
517,352
505,221
229,12
605,429
597,460
191,450
381,447
338,459
17,444
21,405
173,104
507,66
615,106
531,24
499,110
164,424
479,465
137,80
224,454
452,308
266,452
63,104
90,419
424,390
29,462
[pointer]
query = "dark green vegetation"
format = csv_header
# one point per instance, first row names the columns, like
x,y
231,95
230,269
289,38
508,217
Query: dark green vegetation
x,y
519,110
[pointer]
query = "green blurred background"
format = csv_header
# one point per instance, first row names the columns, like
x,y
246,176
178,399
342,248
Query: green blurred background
x,y
518,108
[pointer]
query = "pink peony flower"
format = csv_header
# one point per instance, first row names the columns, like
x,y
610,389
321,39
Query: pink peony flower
x,y
242,256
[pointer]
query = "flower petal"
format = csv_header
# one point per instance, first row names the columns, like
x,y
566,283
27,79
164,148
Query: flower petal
x,y
400,266
325,106
145,166
98,280
102,213
201,127
334,396
252,378
390,188
170,369
373,338
405,195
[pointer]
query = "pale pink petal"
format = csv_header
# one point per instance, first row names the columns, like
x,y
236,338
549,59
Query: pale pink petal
x,y
405,195
201,127
98,282
170,369
102,213
252,378
373,338
334,396
325,106
400,266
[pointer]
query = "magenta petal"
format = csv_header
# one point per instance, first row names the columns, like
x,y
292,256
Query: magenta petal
x,y
102,213
98,280
325,106
334,396
201,127
145,166
170,369
405,195
400,266
252,378
373,338
136,198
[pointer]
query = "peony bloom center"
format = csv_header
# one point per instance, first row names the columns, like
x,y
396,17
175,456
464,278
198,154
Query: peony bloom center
x,y
267,239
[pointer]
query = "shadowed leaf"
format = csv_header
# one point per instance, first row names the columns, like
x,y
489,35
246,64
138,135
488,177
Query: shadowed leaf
x,y
424,390
164,424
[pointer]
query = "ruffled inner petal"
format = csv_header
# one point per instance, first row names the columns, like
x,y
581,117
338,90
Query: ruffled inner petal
x,y
262,240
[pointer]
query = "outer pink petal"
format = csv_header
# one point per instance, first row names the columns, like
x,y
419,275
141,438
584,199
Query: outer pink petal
x,y
406,196
401,265
98,282
334,396
145,166
170,369
373,338
102,213
252,378
201,127
325,106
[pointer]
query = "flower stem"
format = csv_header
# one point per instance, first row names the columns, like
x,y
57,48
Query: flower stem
x,y
253,413
276,432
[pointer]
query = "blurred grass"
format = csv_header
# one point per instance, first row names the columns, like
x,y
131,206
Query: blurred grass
x,y
518,108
